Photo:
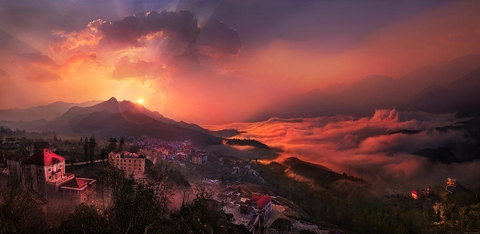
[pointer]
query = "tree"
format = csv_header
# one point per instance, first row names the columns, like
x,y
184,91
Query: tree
x,y
19,212
112,146
92,144
138,207
85,149
85,219
121,144
202,215
103,154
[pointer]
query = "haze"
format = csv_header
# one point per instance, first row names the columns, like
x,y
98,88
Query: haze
x,y
218,61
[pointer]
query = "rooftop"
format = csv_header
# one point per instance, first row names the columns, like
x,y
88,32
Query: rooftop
x,y
263,201
77,183
44,157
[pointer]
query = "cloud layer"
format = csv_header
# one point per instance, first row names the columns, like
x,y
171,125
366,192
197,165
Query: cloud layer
x,y
373,148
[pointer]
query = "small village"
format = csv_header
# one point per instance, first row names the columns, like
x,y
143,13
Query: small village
x,y
45,173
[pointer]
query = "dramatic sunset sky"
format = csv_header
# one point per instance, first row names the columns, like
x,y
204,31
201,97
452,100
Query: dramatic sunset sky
x,y
217,61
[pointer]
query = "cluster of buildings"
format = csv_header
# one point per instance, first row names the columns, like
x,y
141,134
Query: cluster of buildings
x,y
43,173
173,150
252,212
416,193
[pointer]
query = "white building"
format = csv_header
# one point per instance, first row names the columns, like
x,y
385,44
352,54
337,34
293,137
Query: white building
x,y
44,173
130,163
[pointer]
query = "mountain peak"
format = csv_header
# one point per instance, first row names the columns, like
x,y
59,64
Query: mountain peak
x,y
112,99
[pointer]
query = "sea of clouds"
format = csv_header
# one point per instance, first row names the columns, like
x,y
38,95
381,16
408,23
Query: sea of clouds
x,y
374,148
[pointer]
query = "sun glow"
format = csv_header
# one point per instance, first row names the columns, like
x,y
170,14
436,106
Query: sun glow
x,y
140,101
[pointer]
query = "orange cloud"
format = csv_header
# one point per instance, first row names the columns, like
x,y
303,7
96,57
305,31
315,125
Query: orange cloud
x,y
90,36
372,148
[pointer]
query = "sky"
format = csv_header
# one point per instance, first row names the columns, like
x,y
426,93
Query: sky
x,y
219,61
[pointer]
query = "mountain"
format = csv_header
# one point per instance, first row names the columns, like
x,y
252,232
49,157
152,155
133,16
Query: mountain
x,y
341,185
76,114
114,118
444,87
47,112
460,95
127,123
439,74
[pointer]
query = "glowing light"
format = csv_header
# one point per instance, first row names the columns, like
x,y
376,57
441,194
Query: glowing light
x,y
140,101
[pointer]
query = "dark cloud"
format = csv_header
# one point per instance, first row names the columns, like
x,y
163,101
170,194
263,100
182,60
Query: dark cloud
x,y
37,67
141,69
130,30
219,37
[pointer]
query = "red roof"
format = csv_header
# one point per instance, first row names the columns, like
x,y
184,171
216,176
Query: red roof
x,y
44,158
76,183
255,196
263,201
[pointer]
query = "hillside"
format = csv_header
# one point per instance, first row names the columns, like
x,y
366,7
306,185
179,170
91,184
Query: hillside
x,y
341,185
135,124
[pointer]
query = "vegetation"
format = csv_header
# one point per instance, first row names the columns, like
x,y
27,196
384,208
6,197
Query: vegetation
x,y
362,214
143,206
20,212
247,142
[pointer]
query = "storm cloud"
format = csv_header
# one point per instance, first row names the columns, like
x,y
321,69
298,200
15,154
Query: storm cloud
x,y
131,29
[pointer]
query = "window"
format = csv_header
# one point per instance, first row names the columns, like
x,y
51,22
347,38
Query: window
x,y
49,169
39,170
49,177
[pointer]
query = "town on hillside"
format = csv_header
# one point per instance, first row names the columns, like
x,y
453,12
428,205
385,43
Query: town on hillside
x,y
51,177
188,183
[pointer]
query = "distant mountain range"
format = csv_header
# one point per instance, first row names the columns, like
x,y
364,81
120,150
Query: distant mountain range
x,y
112,118
47,112
450,86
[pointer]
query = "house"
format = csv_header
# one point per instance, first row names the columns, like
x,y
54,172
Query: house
x,y
263,203
44,173
130,163
414,194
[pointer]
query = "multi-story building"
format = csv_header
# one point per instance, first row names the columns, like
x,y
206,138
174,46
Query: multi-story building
x,y
44,173
130,163
263,203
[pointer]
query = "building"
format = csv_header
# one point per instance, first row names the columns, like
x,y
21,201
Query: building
x,y
414,194
263,203
199,159
44,173
130,163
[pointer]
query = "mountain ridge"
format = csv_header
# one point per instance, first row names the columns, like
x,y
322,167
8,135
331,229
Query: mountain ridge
x,y
416,90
